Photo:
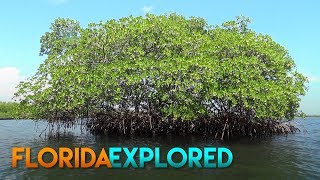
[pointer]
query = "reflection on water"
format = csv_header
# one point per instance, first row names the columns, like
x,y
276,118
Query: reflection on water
x,y
293,156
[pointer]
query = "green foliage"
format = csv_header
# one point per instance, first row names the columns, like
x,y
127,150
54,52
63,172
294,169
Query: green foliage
x,y
10,110
165,66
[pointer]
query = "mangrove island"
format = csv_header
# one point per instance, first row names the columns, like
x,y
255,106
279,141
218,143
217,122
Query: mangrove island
x,y
164,74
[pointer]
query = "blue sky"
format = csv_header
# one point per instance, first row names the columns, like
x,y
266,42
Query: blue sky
x,y
292,23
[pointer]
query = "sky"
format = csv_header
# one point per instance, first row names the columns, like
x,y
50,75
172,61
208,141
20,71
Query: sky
x,y
295,24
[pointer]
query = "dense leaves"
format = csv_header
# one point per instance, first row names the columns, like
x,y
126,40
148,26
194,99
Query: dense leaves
x,y
145,73
9,110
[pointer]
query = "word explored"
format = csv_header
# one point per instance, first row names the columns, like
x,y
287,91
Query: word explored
x,y
122,157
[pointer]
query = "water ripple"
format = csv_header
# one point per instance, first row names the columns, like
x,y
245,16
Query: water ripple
x,y
285,157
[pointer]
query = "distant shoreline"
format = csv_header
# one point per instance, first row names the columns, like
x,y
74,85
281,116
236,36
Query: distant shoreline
x,y
6,118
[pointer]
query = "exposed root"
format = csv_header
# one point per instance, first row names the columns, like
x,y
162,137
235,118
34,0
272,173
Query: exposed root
x,y
215,127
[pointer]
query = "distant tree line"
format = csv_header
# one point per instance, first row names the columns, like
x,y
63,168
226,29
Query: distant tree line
x,y
9,110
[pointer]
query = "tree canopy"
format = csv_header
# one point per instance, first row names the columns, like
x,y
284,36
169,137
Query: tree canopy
x,y
161,68
9,110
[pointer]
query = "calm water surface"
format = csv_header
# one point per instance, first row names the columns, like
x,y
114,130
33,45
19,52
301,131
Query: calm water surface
x,y
296,156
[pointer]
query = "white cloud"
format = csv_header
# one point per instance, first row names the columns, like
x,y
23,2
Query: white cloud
x,y
9,79
312,78
147,9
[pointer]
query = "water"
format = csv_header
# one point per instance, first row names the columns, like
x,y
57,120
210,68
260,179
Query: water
x,y
296,156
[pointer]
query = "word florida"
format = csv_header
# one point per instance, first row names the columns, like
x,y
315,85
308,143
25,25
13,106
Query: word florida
x,y
122,157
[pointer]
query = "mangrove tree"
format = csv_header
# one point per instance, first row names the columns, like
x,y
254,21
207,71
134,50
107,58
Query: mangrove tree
x,y
164,74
